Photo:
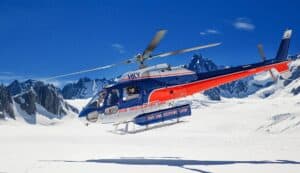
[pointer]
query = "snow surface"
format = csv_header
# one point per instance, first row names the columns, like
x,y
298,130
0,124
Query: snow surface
x,y
234,135
78,103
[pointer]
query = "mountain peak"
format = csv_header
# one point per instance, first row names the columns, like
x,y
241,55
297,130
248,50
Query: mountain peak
x,y
84,88
84,79
200,64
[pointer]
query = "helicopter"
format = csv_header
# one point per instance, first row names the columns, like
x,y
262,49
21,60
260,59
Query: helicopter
x,y
152,94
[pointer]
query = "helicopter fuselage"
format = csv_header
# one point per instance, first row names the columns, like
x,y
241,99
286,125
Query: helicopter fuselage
x,y
160,87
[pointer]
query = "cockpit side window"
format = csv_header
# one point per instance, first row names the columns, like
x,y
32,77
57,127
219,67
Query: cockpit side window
x,y
101,99
98,99
131,92
113,97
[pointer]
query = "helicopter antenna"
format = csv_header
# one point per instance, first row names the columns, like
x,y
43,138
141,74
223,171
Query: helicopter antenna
x,y
141,58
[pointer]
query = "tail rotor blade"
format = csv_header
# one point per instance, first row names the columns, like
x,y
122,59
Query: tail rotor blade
x,y
263,57
261,52
273,76
184,50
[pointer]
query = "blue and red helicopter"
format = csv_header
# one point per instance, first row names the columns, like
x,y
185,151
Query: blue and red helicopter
x,y
152,94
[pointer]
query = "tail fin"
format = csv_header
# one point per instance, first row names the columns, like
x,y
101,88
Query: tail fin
x,y
283,50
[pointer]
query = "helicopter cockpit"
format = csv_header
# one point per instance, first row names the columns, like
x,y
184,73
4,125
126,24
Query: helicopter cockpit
x,y
111,97
106,101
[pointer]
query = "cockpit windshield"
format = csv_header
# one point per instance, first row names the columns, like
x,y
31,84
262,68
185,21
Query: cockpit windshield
x,y
98,99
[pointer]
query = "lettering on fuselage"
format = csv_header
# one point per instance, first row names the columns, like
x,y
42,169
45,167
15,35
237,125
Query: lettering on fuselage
x,y
134,75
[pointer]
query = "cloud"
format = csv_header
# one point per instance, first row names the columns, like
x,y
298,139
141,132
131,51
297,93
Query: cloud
x,y
243,24
7,77
118,47
210,32
5,73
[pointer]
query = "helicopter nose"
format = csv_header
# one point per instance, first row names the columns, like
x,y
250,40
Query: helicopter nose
x,y
88,116
82,117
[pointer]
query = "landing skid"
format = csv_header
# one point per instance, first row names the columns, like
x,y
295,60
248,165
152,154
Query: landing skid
x,y
154,120
131,128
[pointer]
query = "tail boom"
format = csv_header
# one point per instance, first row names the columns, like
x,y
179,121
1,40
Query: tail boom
x,y
183,90
213,79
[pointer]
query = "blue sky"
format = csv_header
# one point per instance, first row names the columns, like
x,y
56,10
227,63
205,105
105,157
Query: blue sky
x,y
42,38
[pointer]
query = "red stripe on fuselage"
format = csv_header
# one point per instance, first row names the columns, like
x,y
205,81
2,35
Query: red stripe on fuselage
x,y
183,90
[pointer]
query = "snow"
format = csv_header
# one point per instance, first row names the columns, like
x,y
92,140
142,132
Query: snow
x,y
21,115
234,135
78,103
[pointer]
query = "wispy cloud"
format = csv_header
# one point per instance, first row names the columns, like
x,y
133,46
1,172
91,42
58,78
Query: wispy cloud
x,y
5,73
210,31
243,24
7,77
118,47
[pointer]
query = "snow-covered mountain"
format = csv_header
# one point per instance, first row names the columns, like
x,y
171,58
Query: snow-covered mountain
x,y
36,102
285,86
6,103
33,100
84,88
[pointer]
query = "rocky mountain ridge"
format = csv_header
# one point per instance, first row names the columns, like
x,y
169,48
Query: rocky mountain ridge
x,y
31,98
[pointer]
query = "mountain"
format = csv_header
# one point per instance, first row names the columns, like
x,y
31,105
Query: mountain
x,y
286,85
84,88
32,99
6,103
17,87
200,64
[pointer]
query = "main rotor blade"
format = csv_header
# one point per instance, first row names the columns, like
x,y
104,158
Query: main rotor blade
x,y
261,52
80,72
184,50
128,61
153,44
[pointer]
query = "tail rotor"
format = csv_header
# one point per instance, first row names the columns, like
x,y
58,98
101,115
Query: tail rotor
x,y
263,57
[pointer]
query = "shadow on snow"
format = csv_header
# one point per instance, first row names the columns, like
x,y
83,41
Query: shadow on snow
x,y
176,162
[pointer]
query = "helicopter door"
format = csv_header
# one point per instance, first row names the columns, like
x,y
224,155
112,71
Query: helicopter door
x,y
132,96
112,102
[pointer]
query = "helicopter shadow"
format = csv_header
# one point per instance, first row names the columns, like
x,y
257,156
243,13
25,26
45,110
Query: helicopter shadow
x,y
140,129
178,162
